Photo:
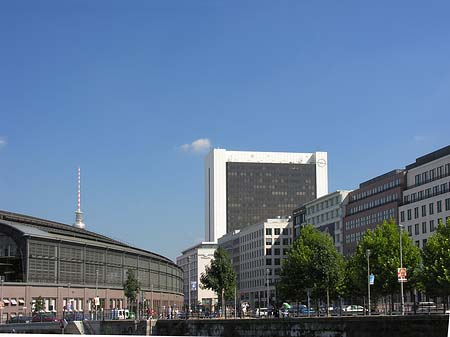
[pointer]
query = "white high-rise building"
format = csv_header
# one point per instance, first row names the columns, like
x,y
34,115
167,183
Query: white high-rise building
x,y
244,188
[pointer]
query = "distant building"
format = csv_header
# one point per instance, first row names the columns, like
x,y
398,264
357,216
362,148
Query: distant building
x,y
193,261
298,220
426,200
70,266
326,214
244,188
231,243
263,247
376,200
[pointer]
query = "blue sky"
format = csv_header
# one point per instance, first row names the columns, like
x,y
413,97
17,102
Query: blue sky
x,y
118,87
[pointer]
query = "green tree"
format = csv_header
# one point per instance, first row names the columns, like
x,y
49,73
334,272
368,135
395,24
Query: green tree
x,y
384,245
220,276
39,305
131,287
435,276
312,263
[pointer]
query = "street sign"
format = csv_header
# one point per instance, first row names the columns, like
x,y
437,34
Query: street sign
x,y
401,274
97,301
193,285
371,279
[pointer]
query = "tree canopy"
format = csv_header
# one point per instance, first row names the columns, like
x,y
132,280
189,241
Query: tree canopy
x,y
131,286
312,263
39,305
435,275
384,245
219,276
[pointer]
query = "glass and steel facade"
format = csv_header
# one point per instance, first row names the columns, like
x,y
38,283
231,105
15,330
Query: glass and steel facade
x,y
259,191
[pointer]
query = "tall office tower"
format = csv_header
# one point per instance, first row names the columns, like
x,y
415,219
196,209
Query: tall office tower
x,y
244,188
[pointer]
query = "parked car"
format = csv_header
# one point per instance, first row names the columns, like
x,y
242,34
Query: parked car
x,y
426,307
355,309
44,317
20,319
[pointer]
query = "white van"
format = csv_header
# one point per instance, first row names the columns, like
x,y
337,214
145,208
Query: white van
x,y
262,312
120,314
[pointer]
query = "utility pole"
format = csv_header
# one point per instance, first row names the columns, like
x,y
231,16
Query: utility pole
x,y
401,267
189,287
96,293
368,276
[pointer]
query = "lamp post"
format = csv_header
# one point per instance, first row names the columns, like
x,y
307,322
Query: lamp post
x,y
267,296
368,276
189,287
401,267
96,292
2,278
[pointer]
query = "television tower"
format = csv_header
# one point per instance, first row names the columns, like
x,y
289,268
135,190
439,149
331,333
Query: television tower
x,y
78,213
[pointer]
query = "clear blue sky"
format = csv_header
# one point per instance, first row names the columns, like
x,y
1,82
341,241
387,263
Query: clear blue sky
x,y
118,87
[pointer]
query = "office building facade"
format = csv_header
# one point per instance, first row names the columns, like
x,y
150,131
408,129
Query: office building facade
x,y
193,261
426,200
244,188
376,200
326,214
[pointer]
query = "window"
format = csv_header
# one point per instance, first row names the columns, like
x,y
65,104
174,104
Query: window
x,y
285,251
410,230
285,231
285,242
431,225
417,243
424,227
268,262
431,208
424,242
268,251
277,231
268,241
277,251
424,210
439,206
416,212
277,262
402,216
268,231
447,204
416,229
277,242
409,214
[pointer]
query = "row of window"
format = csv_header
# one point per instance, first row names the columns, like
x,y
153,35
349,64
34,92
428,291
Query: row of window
x,y
427,193
423,210
276,242
13,301
278,231
323,205
375,190
324,217
370,219
425,227
431,175
373,203
277,251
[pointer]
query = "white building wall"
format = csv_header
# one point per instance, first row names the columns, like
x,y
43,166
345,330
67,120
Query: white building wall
x,y
426,197
328,210
200,257
216,183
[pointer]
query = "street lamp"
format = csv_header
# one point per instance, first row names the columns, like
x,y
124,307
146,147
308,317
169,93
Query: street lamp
x,y
267,296
96,293
368,276
189,287
401,267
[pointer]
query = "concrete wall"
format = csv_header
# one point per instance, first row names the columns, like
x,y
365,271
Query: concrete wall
x,y
408,326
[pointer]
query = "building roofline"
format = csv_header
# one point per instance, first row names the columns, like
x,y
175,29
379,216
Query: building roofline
x,y
78,234
380,177
445,151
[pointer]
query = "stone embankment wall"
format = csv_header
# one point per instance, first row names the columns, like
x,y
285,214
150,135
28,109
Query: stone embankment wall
x,y
375,326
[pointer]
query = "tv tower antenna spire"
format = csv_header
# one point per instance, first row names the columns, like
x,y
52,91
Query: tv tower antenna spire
x,y
78,213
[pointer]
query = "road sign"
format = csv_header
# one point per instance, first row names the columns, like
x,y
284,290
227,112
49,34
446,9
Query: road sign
x,y
401,274
371,279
